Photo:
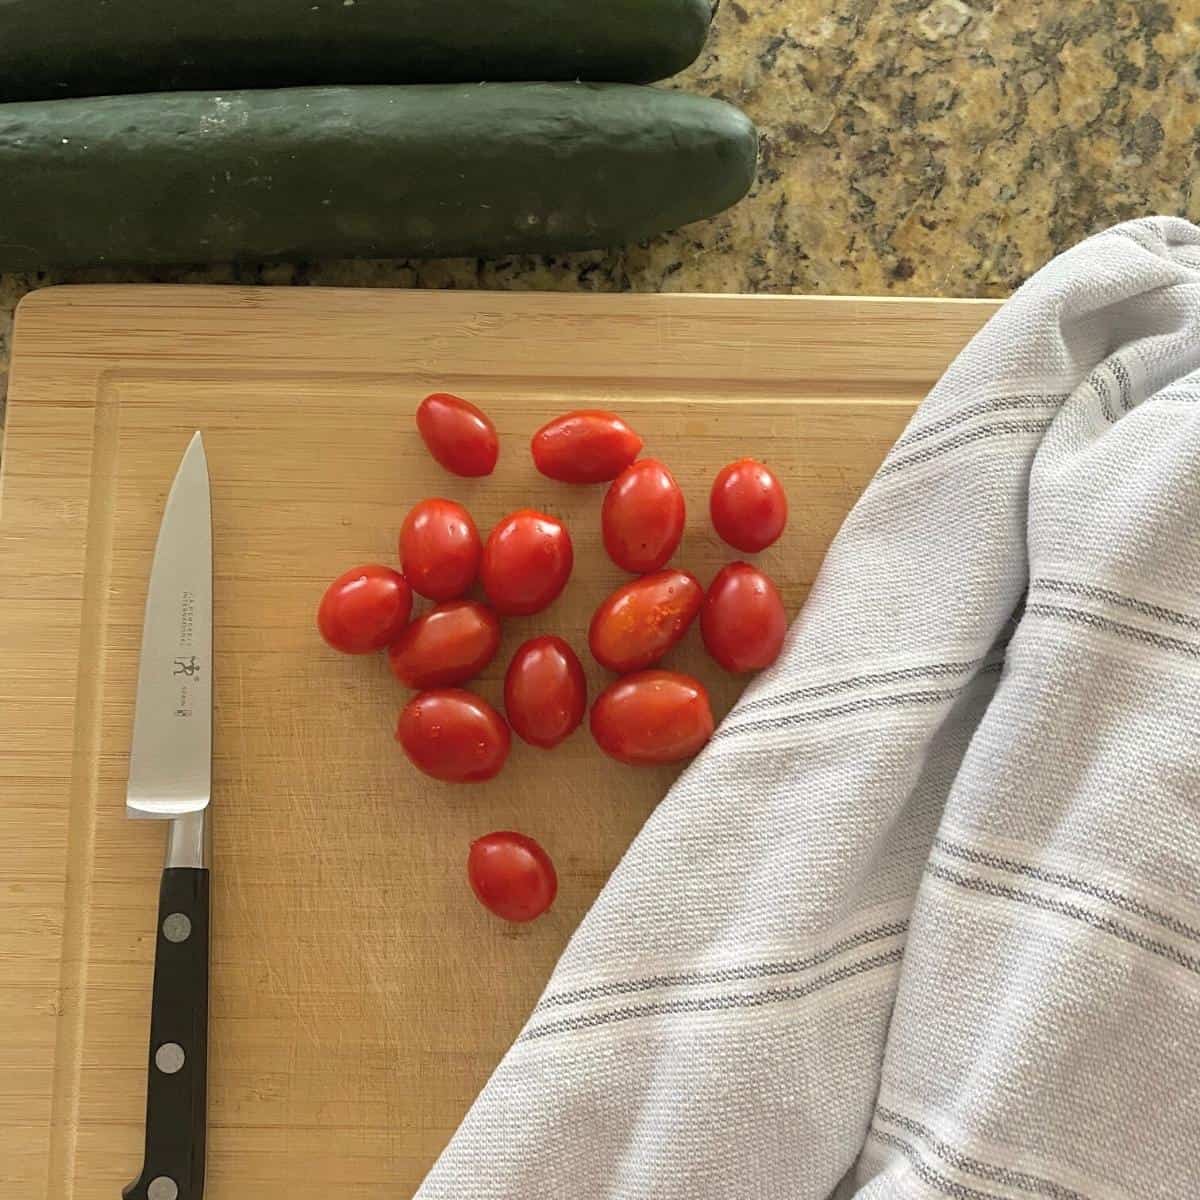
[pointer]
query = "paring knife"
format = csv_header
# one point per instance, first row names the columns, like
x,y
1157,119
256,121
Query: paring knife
x,y
170,779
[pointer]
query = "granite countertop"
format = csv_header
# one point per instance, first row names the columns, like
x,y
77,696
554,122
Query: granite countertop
x,y
943,148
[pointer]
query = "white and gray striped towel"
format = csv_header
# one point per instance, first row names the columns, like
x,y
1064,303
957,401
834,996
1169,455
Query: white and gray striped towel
x,y
924,919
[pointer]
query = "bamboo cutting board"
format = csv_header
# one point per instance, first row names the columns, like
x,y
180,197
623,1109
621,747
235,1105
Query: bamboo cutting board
x,y
360,995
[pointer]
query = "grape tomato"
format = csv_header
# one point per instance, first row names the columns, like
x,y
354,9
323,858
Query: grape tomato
x,y
450,644
748,505
440,549
636,625
453,735
742,621
545,692
365,609
587,446
526,562
652,717
511,876
459,436
642,517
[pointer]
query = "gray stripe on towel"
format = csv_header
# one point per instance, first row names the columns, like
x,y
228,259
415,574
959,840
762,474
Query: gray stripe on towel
x,y
1104,924
702,1004
621,987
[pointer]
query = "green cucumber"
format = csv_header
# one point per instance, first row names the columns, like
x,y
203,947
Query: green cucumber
x,y
53,49
380,172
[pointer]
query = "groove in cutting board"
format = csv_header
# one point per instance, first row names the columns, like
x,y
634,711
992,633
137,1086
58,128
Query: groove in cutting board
x,y
81,825
360,997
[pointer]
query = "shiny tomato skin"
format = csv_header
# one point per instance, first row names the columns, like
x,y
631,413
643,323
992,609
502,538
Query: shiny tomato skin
x,y
453,735
586,446
365,609
545,692
652,717
511,876
642,517
743,622
526,562
439,549
748,505
460,436
636,625
447,646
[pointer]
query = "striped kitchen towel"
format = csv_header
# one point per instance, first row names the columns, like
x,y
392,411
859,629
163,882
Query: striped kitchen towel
x,y
924,918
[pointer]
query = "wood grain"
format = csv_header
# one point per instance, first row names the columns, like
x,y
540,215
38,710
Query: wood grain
x,y
360,996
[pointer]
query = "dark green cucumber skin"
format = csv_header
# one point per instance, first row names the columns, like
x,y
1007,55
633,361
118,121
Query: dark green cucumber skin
x,y
378,172
52,49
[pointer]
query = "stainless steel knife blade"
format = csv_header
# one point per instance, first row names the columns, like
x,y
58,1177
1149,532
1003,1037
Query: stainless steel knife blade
x,y
170,776
170,763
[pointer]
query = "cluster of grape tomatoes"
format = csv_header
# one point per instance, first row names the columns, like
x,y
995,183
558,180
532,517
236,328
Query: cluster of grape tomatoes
x,y
648,715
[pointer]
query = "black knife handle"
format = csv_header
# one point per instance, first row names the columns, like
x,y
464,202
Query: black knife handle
x,y
176,1093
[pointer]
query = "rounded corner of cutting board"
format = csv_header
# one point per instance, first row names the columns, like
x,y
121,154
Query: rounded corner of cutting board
x,y
56,297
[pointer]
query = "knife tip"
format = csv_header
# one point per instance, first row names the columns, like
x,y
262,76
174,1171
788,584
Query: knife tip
x,y
196,448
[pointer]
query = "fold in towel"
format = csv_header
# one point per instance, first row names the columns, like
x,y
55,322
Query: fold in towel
x,y
924,918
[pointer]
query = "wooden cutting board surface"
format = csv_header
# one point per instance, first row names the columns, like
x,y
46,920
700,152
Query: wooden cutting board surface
x,y
360,996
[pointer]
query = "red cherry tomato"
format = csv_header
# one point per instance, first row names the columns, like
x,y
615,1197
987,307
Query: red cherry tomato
x,y
448,645
511,876
460,436
453,735
545,693
748,505
652,717
364,609
641,621
588,446
526,562
743,622
440,549
642,517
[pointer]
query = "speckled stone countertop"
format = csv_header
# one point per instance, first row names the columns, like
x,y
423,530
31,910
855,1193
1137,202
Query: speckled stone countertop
x,y
909,147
